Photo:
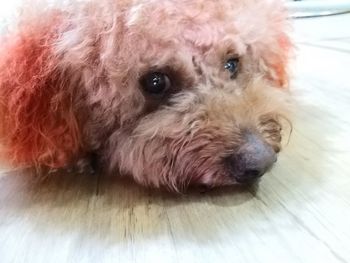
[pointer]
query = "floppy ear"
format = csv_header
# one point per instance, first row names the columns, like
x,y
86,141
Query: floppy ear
x,y
275,47
280,60
38,123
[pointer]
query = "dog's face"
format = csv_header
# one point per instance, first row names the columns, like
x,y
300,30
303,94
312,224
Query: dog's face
x,y
198,93
176,93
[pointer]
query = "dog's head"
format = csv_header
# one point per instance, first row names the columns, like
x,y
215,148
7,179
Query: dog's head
x,y
177,92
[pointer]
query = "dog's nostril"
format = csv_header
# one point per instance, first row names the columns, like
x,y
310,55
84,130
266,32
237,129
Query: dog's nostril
x,y
249,176
254,174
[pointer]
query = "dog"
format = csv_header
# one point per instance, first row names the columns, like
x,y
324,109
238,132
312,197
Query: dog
x,y
172,93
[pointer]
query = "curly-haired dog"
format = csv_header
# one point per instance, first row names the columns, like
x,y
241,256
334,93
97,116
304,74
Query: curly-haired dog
x,y
172,92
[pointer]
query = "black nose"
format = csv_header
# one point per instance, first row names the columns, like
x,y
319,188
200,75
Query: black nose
x,y
253,160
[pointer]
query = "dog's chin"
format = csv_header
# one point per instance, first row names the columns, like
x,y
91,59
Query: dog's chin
x,y
226,177
204,187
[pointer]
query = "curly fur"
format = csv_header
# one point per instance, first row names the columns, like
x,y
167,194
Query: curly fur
x,y
69,86
38,122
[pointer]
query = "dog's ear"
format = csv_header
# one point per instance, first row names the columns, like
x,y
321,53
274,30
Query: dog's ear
x,y
275,48
280,60
37,118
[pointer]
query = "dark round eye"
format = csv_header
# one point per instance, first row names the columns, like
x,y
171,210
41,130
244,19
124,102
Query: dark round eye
x,y
155,83
232,65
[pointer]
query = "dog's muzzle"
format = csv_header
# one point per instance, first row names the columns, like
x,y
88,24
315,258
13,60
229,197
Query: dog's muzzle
x,y
254,158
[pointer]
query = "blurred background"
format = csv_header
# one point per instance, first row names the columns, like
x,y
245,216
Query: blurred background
x,y
311,8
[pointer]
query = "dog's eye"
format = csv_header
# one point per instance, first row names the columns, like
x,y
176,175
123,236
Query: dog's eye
x,y
155,83
232,66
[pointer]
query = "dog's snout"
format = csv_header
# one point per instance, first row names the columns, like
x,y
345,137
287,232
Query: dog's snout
x,y
253,160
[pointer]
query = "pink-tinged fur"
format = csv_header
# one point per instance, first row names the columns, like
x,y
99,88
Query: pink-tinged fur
x,y
38,125
78,80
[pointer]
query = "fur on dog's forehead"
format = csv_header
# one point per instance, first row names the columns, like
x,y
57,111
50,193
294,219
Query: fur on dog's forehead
x,y
210,31
202,24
